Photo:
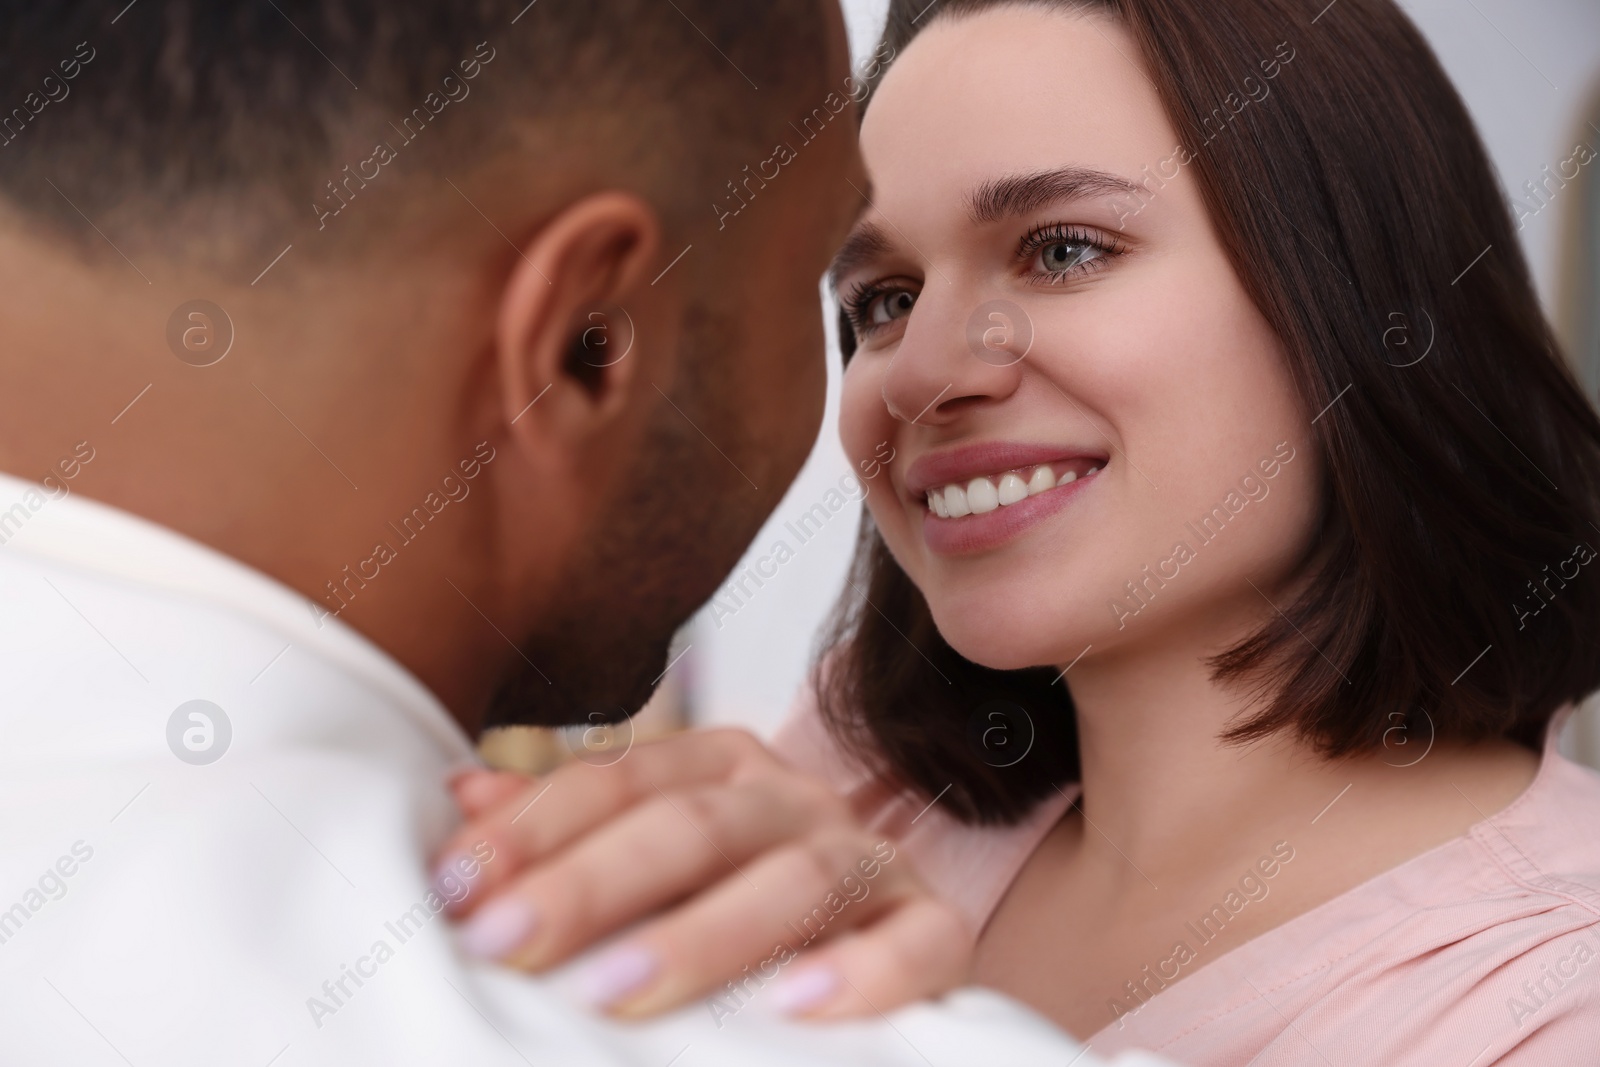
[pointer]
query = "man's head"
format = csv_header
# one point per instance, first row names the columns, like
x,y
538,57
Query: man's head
x,y
572,249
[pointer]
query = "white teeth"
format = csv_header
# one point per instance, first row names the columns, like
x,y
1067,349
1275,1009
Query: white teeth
x,y
1012,490
982,497
955,501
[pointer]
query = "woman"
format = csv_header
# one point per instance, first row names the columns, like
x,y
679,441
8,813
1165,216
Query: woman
x,y
1212,630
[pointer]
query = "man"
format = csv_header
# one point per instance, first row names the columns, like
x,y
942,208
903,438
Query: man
x,y
374,373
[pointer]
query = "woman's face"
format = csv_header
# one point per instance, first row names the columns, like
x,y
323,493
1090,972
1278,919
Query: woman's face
x,y
1095,433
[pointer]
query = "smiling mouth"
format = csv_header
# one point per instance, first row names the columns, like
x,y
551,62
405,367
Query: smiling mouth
x,y
986,493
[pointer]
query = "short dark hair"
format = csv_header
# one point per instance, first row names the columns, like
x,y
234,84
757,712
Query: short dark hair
x,y
1460,490
258,105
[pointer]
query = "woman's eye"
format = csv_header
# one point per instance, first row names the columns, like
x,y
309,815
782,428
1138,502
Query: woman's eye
x,y
1058,256
869,308
889,306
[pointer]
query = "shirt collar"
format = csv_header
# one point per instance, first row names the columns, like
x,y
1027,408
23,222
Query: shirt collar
x,y
67,528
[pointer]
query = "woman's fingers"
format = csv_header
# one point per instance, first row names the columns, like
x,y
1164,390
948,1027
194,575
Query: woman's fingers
x,y
546,814
804,911
479,791
765,917
647,858
921,949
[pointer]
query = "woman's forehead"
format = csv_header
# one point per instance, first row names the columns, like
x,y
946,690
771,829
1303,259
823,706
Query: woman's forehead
x,y
1015,90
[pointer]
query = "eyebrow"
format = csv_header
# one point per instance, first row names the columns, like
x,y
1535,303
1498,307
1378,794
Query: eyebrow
x,y
999,198
1019,194
865,244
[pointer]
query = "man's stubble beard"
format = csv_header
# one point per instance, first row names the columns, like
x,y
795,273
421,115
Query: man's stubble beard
x,y
672,531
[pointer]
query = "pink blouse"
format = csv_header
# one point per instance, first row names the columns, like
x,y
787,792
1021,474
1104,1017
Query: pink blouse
x,y
1483,950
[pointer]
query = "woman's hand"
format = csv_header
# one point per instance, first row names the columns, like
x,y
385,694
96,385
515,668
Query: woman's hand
x,y
749,872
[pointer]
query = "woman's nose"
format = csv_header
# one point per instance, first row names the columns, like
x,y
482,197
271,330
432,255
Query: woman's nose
x,y
955,355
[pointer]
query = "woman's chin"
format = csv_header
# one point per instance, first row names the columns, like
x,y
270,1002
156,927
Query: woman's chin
x,y
1000,648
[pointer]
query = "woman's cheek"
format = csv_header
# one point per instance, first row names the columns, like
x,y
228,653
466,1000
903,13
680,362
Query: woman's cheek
x,y
864,420
870,437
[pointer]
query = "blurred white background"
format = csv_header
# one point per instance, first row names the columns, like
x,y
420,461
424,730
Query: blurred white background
x,y
1528,69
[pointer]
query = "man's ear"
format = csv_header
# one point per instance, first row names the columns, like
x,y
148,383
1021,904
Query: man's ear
x,y
565,335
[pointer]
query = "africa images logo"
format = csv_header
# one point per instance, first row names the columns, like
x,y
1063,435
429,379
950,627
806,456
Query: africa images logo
x,y
198,732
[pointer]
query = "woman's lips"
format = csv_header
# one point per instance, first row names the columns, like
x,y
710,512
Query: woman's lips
x,y
979,533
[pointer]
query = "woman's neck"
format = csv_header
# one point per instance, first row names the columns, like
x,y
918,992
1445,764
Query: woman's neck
x,y
1174,821
1166,794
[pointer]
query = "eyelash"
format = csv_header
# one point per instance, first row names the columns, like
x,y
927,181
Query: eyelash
x,y
858,301
1058,233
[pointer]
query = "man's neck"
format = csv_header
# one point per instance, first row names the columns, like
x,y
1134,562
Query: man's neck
x,y
293,464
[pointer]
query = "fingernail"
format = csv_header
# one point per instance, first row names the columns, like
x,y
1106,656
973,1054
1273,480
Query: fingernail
x,y
799,993
616,974
498,928
451,879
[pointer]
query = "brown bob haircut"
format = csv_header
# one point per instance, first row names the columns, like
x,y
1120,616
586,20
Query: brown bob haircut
x,y
1448,591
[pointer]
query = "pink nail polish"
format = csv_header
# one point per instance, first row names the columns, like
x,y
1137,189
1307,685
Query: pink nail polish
x,y
498,928
617,973
799,993
450,881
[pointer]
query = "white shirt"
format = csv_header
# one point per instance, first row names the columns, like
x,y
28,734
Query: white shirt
x,y
158,910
